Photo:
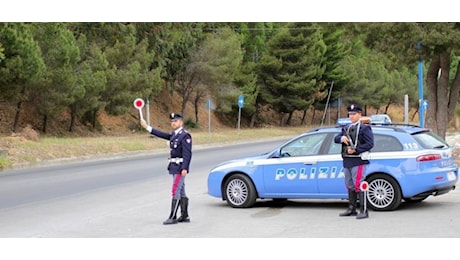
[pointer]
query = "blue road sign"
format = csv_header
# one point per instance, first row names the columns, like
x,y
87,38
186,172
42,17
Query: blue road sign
x,y
425,104
241,101
210,105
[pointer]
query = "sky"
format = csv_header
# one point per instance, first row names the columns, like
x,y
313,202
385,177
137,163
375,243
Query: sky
x,y
228,11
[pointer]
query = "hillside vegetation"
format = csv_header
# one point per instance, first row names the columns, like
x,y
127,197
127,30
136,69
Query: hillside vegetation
x,y
116,135
79,71
78,80
122,136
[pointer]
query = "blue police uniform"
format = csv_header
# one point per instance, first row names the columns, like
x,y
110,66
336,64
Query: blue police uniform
x,y
361,139
180,143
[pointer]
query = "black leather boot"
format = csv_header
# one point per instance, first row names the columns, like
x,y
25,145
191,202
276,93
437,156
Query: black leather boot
x,y
184,211
351,210
362,207
172,216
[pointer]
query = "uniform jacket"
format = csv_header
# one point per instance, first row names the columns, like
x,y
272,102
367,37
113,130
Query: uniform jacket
x,y
181,147
365,143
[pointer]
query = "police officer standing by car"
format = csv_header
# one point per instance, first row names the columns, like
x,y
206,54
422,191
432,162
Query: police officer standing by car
x,y
357,140
180,142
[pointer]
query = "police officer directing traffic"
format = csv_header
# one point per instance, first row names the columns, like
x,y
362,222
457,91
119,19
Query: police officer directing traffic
x,y
180,143
357,139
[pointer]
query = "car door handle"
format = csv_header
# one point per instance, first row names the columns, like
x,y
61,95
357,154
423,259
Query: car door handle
x,y
309,163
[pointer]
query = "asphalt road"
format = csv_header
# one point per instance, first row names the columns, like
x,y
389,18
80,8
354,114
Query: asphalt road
x,y
129,197
111,197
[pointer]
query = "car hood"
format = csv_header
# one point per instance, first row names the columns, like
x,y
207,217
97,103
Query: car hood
x,y
240,161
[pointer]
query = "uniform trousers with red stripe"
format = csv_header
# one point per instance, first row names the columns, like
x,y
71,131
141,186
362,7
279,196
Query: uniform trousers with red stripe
x,y
354,176
178,186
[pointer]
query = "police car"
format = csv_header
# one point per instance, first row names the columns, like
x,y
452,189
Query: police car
x,y
408,163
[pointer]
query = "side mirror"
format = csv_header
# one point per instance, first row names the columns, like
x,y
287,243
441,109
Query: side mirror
x,y
276,154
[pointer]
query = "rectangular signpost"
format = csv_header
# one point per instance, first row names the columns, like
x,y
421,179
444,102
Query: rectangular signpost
x,y
240,105
209,106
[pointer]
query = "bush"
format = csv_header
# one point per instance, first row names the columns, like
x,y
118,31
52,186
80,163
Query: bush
x,y
190,124
4,163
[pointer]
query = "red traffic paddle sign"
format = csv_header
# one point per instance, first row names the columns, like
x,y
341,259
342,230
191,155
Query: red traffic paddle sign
x,y
364,186
139,104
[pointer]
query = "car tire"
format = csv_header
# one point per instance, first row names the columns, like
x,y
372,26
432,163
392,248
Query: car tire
x,y
383,194
240,191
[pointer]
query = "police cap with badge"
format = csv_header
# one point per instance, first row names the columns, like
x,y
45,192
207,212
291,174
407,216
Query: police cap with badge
x,y
353,108
174,117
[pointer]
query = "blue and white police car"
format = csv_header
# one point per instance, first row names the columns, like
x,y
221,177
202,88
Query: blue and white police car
x,y
408,163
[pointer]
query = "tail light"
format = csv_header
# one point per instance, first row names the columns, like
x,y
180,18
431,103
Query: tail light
x,y
428,157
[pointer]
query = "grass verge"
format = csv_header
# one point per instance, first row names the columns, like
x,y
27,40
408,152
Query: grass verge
x,y
25,153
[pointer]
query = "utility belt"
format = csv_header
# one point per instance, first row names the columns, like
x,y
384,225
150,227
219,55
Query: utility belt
x,y
176,160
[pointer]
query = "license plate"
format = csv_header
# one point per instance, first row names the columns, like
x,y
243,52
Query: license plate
x,y
451,176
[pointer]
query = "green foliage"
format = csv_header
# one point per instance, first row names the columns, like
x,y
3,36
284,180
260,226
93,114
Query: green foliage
x,y
61,55
4,163
23,66
292,68
190,124
23,62
337,48
254,44
174,43
83,68
212,67
2,52
433,43
129,75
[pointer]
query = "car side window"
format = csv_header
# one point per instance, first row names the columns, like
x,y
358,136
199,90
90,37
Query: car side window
x,y
303,146
334,148
382,143
386,143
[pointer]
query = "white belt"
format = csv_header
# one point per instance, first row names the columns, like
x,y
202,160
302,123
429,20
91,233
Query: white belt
x,y
176,160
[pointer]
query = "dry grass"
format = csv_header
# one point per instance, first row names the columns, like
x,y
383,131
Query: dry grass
x,y
22,151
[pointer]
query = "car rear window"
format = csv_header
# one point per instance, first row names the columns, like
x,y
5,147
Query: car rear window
x,y
429,140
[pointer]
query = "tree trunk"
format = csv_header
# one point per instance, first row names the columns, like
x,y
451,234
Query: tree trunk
x,y
73,116
454,94
253,119
413,115
289,120
304,116
45,122
281,119
94,119
183,106
443,95
440,104
255,114
16,117
18,110
387,107
313,116
431,85
196,106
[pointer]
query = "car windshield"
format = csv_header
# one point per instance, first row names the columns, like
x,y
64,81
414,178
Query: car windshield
x,y
303,146
430,140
